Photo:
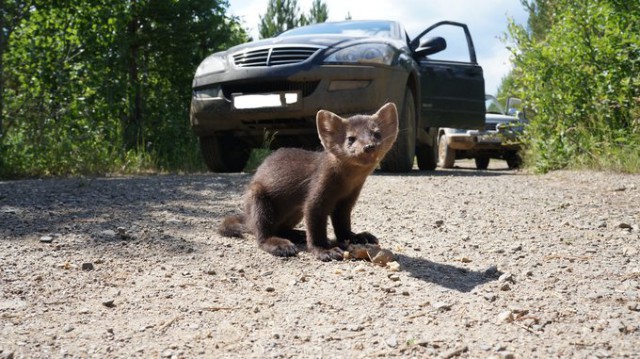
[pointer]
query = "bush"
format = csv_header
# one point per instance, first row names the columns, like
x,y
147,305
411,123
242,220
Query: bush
x,y
582,82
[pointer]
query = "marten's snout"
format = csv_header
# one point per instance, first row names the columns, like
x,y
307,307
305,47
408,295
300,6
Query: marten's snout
x,y
369,148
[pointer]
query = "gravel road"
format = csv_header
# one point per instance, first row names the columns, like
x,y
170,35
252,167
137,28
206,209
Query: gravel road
x,y
493,264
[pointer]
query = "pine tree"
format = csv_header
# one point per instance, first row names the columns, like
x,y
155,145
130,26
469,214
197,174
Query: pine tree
x,y
281,15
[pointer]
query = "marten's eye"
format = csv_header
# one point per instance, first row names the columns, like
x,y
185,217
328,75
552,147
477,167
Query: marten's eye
x,y
377,135
351,139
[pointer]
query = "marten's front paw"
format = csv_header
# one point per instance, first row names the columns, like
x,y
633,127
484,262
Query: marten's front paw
x,y
331,254
279,247
364,238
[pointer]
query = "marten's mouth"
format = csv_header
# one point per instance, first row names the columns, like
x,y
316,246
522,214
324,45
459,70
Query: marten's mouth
x,y
367,158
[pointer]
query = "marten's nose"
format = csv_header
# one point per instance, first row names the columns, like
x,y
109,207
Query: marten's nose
x,y
369,148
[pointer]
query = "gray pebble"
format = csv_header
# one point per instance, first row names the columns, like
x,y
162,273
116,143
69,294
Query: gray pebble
x,y
46,239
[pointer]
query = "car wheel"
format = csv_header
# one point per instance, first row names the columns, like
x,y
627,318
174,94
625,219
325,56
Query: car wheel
x,y
427,156
223,154
400,157
482,163
446,154
513,160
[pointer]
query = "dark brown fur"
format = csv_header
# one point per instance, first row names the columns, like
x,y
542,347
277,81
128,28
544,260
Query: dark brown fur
x,y
292,184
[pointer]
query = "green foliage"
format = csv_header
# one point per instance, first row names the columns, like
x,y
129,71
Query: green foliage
x,y
257,155
104,86
581,79
318,13
283,15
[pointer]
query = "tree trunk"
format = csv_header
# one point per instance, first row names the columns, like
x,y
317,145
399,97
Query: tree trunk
x,y
3,48
133,126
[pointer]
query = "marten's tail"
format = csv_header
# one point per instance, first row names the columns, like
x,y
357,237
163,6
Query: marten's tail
x,y
233,226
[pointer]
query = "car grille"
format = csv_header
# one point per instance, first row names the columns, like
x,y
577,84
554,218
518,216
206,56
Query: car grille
x,y
305,87
273,56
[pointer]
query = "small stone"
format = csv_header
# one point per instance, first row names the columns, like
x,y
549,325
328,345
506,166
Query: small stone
x,y
360,268
383,257
439,223
46,239
504,317
108,233
506,278
393,266
87,266
109,303
506,355
635,307
442,306
629,252
491,271
624,225
394,277
392,341
491,297
505,287
270,289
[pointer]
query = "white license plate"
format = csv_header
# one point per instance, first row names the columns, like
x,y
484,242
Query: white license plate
x,y
276,100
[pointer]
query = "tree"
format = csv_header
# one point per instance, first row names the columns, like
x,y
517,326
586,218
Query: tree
x,y
283,15
581,75
318,12
12,13
104,85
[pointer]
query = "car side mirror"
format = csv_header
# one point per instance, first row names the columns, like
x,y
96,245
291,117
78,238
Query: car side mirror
x,y
431,46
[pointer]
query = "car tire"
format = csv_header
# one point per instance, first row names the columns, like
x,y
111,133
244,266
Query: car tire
x,y
427,156
446,154
400,157
223,154
482,162
513,160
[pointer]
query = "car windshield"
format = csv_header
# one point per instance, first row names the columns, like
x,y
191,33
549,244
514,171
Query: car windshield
x,y
493,106
348,28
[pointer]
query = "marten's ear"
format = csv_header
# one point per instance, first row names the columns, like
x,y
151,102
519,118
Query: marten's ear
x,y
387,119
331,129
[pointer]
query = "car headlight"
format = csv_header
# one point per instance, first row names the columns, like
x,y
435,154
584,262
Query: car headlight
x,y
210,65
363,53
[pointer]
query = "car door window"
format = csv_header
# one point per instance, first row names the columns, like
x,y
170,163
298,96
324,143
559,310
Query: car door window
x,y
456,50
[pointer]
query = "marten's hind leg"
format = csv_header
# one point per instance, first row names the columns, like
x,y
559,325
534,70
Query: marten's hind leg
x,y
262,216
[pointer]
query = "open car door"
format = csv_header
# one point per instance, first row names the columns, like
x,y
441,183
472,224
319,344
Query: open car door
x,y
452,87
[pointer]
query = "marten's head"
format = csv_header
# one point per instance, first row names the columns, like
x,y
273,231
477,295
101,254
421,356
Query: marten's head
x,y
362,140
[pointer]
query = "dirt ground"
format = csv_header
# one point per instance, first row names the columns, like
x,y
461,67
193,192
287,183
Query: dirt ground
x,y
493,264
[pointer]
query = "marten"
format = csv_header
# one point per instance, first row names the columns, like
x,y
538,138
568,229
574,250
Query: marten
x,y
292,184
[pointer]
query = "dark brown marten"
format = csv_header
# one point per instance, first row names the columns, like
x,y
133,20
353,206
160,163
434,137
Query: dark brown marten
x,y
292,184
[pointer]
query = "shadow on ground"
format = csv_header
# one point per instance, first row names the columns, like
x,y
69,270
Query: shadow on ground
x,y
445,275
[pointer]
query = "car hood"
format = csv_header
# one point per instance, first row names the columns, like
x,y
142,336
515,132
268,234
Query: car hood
x,y
311,40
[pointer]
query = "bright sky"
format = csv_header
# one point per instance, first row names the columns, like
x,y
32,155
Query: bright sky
x,y
487,20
